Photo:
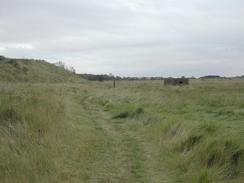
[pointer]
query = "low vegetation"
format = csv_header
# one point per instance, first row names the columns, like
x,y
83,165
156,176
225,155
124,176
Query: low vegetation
x,y
141,131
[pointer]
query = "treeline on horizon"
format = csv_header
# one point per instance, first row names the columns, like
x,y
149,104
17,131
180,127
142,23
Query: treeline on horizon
x,y
106,77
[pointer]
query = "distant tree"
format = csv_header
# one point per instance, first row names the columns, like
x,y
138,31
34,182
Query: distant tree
x,y
2,57
71,69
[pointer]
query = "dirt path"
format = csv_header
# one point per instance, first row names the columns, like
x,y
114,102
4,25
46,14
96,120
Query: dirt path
x,y
128,159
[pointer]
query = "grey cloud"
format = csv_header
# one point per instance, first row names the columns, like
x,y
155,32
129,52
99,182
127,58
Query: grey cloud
x,y
128,37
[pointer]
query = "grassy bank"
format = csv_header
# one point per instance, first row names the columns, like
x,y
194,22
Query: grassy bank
x,y
34,71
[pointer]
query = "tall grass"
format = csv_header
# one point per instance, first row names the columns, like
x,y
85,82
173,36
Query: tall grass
x,y
42,138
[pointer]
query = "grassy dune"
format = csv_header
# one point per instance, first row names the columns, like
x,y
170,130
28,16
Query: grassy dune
x,y
35,71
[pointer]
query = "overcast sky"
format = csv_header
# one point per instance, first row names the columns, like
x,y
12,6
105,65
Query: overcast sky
x,y
128,37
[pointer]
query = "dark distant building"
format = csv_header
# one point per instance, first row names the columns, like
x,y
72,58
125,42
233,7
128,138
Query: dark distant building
x,y
176,81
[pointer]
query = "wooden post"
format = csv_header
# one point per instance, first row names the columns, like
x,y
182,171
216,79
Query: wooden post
x,y
114,83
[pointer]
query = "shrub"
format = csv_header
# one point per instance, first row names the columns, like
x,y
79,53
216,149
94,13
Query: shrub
x,y
8,117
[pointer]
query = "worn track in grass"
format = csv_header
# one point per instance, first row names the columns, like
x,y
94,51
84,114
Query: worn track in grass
x,y
129,158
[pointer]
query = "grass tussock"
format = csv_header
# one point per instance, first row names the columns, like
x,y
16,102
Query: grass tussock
x,y
129,114
192,149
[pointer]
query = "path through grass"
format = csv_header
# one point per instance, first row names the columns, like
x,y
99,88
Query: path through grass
x,y
127,158
138,132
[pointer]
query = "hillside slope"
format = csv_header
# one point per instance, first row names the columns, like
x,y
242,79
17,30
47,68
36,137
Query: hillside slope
x,y
27,70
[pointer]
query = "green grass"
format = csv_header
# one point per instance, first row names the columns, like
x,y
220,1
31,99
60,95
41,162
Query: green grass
x,y
140,131
43,137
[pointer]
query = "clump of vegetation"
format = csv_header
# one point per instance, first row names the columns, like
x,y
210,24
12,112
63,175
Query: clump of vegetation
x,y
122,115
8,117
227,154
190,142
129,114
